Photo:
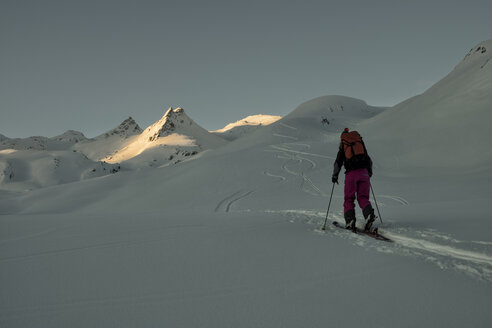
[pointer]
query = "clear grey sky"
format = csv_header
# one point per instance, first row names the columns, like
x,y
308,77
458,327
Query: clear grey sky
x,y
87,65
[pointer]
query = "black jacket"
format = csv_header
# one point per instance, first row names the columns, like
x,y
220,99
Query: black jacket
x,y
356,162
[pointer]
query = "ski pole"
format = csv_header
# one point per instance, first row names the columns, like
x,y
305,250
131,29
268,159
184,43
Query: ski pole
x,y
329,204
376,202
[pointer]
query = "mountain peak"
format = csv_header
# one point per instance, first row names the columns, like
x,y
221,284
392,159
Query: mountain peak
x,y
126,129
130,125
173,134
70,136
170,111
481,53
172,119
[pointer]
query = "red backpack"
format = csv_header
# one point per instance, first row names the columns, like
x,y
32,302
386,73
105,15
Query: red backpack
x,y
353,144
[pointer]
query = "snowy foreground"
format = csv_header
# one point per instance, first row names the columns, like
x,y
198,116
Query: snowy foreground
x,y
230,237
228,270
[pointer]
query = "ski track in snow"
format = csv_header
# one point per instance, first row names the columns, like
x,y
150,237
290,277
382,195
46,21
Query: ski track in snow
x,y
397,199
306,184
228,208
296,158
286,150
282,178
98,246
472,258
288,126
29,236
223,201
285,169
178,295
301,145
226,203
422,244
284,136
318,192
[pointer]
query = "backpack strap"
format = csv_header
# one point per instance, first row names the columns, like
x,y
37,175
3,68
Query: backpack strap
x,y
363,145
352,148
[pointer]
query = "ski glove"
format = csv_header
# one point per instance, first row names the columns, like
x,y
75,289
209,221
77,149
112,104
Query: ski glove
x,y
334,179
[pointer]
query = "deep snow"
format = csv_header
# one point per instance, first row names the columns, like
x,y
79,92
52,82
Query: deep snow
x,y
231,237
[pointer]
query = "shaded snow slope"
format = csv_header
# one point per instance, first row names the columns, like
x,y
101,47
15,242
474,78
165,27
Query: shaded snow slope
x,y
445,128
289,159
61,142
320,120
334,107
235,234
31,169
227,270
245,126
38,162
334,112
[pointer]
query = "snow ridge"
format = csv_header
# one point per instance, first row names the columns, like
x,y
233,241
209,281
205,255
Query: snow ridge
x,y
62,141
461,100
245,126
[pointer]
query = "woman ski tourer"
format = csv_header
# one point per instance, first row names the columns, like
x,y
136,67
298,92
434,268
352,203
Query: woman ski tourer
x,y
352,154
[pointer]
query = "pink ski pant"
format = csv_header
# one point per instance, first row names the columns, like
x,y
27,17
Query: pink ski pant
x,y
357,184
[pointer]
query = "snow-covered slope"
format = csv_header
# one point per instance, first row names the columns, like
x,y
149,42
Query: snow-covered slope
x,y
95,148
32,169
334,112
107,143
233,237
38,162
170,139
446,127
61,142
126,129
245,126
296,151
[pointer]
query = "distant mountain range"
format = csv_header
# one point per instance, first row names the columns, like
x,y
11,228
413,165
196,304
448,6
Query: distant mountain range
x,y
445,124
41,161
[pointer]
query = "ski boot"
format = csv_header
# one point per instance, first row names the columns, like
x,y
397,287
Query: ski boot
x,y
350,220
369,217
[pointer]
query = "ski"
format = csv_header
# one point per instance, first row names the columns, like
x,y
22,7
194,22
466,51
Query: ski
x,y
374,233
